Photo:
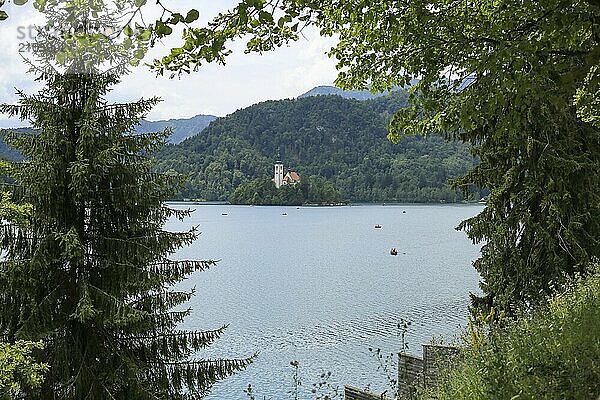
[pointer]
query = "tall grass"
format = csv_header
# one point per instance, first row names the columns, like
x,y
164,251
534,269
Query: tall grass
x,y
554,354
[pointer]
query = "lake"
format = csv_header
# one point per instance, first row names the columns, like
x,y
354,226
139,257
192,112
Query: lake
x,y
320,287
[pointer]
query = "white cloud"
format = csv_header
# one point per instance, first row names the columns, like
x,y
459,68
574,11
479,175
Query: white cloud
x,y
215,89
13,71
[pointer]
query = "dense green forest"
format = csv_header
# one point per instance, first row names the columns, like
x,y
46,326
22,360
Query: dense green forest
x,y
262,191
341,140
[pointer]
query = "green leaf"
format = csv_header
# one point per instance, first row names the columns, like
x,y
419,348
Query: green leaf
x,y
139,54
162,29
243,14
191,16
128,31
19,2
3,16
265,16
145,35
175,19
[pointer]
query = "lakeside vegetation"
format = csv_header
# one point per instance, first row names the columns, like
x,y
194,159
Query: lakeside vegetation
x,y
552,354
262,191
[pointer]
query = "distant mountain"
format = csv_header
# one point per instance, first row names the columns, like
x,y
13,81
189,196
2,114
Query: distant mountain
x,y
182,128
334,91
327,90
342,140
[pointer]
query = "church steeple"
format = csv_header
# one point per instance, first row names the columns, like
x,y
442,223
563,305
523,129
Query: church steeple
x,y
278,176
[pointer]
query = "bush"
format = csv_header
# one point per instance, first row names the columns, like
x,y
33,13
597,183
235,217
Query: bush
x,y
19,373
555,354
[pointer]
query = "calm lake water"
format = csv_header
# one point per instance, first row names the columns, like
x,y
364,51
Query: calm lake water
x,y
319,286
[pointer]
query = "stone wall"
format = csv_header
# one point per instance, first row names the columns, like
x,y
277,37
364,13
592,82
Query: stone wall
x,y
410,373
414,371
352,393
435,356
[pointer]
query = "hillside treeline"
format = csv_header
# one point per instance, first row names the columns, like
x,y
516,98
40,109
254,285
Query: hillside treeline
x,y
341,140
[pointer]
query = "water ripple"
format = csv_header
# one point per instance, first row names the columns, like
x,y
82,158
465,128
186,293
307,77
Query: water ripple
x,y
320,287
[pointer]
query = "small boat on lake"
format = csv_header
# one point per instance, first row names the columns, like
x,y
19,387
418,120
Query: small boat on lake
x,y
393,251
377,226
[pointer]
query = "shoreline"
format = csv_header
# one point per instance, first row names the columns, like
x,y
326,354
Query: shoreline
x,y
358,204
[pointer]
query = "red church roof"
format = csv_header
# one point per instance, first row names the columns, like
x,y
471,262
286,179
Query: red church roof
x,y
295,177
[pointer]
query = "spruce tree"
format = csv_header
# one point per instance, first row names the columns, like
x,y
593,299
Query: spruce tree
x,y
90,273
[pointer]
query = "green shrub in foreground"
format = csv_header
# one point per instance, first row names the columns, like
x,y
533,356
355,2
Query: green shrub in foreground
x,y
19,372
553,355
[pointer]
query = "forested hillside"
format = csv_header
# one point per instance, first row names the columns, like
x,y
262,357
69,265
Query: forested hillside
x,y
342,140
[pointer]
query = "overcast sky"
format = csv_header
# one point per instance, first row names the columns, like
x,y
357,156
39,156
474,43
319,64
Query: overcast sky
x,y
217,90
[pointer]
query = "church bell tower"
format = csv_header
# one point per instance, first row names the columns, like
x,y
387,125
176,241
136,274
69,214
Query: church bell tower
x,y
278,178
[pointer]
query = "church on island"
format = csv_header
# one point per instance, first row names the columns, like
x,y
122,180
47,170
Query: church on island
x,y
290,178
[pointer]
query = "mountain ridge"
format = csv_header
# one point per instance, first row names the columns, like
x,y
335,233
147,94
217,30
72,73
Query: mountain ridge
x,y
327,90
342,140
182,128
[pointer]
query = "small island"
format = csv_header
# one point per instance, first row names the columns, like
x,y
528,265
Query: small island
x,y
286,189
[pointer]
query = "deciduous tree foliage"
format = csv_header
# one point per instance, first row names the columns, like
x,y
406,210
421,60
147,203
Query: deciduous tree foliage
x,y
19,371
514,70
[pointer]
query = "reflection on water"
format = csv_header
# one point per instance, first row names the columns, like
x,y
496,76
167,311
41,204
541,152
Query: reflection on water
x,y
319,286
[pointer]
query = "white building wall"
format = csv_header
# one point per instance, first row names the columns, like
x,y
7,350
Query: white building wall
x,y
278,178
